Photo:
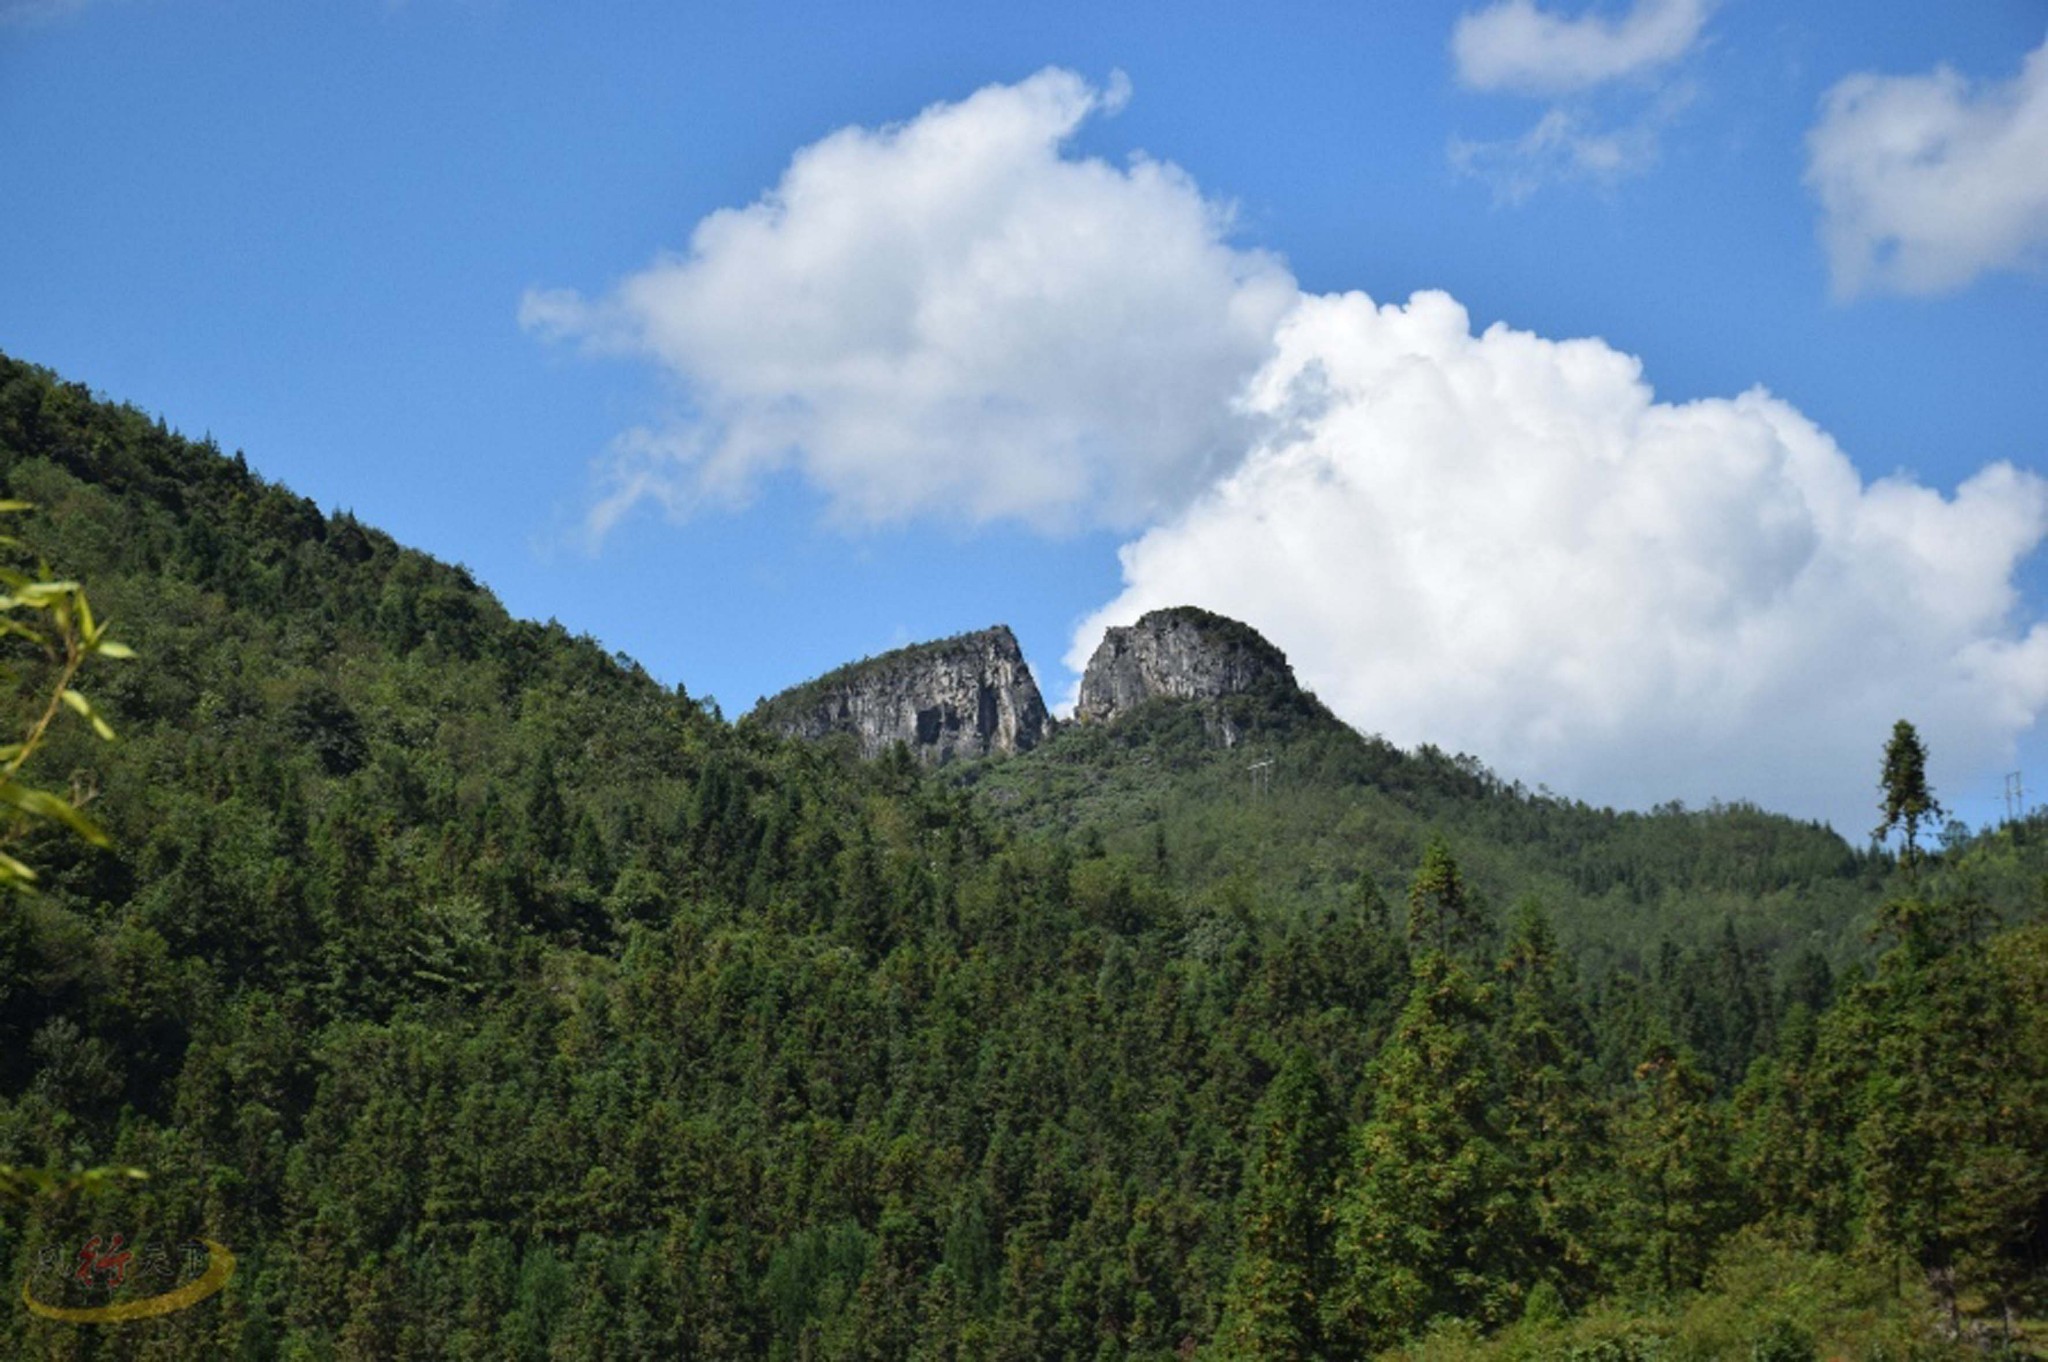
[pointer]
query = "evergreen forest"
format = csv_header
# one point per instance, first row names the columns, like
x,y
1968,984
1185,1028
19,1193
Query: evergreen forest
x,y
492,1001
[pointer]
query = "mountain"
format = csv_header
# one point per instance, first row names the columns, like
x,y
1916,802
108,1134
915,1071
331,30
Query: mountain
x,y
1193,747
1184,653
490,1000
1194,751
967,696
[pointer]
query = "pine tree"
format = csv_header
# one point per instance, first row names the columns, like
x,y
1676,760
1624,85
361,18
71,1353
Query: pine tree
x,y
1908,802
1277,1288
2003,1189
1548,1116
1936,1112
1442,916
1673,1197
1787,1136
1432,1220
546,817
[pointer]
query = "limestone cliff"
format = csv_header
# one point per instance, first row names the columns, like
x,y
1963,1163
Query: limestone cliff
x,y
1184,654
968,696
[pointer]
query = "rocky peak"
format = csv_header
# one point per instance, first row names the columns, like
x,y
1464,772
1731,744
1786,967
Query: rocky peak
x,y
1182,653
966,696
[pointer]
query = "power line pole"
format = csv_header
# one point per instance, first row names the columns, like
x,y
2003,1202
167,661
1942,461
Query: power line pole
x,y
1262,776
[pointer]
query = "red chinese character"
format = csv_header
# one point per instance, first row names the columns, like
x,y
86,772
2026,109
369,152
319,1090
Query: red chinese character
x,y
113,1263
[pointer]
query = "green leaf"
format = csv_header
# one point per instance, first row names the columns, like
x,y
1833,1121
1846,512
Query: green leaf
x,y
84,707
107,647
43,804
41,593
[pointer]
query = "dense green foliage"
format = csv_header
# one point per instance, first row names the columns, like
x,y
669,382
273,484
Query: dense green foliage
x,y
492,1001
1334,806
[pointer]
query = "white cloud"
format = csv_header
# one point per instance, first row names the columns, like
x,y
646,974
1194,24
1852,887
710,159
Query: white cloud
x,y
1505,545
1565,145
952,317
1611,113
1926,182
1516,46
1497,543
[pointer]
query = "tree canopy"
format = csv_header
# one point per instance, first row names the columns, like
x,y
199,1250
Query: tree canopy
x,y
491,1000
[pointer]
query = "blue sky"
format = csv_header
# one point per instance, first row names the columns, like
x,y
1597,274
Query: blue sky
x,y
437,262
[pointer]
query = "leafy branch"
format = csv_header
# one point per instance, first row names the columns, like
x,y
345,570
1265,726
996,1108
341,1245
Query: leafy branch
x,y
52,616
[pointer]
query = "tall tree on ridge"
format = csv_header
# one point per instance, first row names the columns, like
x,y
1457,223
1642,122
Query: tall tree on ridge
x,y
1908,803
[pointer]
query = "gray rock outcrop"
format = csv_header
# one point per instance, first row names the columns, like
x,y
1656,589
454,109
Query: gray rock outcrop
x,y
967,696
1185,654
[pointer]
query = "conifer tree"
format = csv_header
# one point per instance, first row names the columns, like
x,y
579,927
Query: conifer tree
x,y
1908,802
1441,914
1433,1218
1673,1197
1548,1116
1933,1108
1274,1301
1365,959
1787,1132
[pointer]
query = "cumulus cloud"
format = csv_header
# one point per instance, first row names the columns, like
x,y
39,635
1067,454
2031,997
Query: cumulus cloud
x,y
1497,543
952,316
1927,181
1504,544
1516,46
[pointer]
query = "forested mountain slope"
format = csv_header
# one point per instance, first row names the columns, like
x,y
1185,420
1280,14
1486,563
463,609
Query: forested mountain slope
x,y
490,1000
1302,806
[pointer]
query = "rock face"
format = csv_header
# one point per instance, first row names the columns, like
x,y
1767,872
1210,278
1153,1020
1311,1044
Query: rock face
x,y
1183,654
968,696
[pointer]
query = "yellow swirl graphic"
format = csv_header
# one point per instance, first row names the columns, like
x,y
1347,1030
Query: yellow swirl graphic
x,y
220,1266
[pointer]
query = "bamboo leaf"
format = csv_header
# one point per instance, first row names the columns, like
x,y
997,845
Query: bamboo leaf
x,y
41,593
43,804
84,707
